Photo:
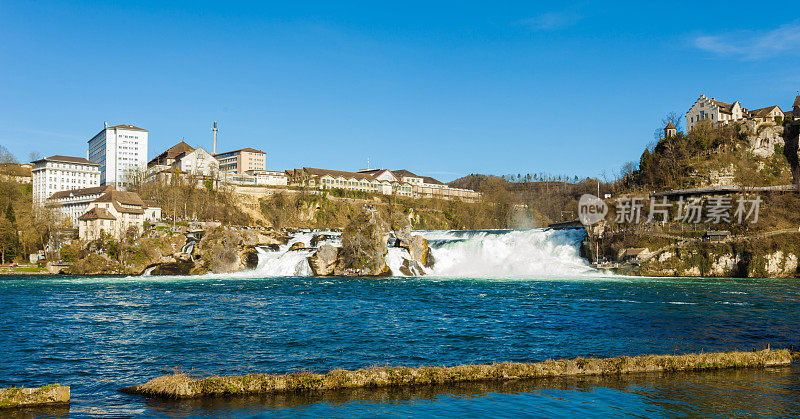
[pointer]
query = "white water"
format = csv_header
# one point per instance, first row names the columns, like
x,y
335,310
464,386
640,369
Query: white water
x,y
507,254
463,254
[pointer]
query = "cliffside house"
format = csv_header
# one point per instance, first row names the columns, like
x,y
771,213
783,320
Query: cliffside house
x,y
193,164
73,203
152,211
722,113
114,213
767,114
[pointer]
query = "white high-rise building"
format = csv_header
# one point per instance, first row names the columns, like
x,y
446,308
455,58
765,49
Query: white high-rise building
x,y
62,173
119,150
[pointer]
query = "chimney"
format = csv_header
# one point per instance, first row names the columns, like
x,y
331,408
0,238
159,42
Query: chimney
x,y
105,124
215,136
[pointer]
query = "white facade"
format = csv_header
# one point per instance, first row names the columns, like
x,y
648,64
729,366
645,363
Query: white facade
x,y
119,150
73,203
114,213
197,162
714,111
62,173
269,177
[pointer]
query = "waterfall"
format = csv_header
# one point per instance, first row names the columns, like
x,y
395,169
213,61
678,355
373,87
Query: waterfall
x,y
529,254
507,253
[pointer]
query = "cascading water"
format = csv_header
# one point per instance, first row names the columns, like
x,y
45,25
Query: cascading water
x,y
507,253
458,253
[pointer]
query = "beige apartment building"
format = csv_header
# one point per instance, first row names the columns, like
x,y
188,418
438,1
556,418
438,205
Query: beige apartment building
x,y
113,213
379,181
241,161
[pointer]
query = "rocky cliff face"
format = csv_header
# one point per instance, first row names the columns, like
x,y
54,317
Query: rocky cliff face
x,y
778,259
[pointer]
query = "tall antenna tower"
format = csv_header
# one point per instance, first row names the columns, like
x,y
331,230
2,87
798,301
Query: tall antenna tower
x,y
215,136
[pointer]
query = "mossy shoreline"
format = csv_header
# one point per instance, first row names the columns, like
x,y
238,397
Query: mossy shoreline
x,y
182,385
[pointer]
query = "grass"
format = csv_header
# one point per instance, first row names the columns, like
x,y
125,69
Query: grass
x,y
21,397
182,385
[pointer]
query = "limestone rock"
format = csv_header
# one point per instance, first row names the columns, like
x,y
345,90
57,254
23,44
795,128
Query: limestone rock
x,y
319,238
297,246
418,249
411,268
174,268
323,261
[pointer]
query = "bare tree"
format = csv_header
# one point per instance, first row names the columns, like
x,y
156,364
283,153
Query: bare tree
x,y
34,155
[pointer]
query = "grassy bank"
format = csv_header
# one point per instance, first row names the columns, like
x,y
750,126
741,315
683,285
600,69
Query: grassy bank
x,y
184,386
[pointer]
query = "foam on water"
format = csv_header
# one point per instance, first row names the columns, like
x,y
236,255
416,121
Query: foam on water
x,y
507,253
534,253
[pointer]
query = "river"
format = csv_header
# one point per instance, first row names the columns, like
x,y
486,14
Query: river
x,y
101,334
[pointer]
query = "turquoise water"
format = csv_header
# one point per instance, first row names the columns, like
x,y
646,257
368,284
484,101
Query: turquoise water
x,y
101,334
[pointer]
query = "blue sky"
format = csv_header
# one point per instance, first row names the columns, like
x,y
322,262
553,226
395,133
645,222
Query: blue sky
x,y
440,88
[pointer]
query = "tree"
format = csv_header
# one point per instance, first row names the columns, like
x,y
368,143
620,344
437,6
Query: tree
x,y
34,155
8,238
10,214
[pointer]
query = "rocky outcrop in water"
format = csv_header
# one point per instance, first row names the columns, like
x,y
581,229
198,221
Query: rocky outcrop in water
x,y
364,247
323,261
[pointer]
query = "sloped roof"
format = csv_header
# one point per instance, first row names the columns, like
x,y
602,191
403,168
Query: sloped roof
x,y
171,153
97,213
403,173
149,203
670,126
81,192
797,102
339,173
248,149
764,111
120,198
126,126
723,106
68,159
430,180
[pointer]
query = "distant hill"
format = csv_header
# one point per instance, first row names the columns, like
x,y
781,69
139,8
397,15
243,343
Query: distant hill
x,y
475,182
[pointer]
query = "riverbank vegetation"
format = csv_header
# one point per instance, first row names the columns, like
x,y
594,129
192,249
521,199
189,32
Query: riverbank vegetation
x,y
182,385
23,229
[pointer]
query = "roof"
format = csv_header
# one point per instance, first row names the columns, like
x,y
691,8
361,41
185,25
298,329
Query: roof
x,y
81,192
430,180
68,159
126,126
763,112
171,153
121,126
723,106
97,213
248,149
403,173
670,126
120,198
149,203
797,102
340,173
